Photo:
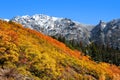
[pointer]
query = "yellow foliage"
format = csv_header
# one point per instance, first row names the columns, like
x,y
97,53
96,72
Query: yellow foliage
x,y
43,58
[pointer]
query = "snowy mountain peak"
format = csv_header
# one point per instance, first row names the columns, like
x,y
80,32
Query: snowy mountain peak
x,y
37,21
57,27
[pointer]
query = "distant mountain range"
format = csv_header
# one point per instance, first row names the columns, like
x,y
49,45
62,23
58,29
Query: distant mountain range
x,y
102,34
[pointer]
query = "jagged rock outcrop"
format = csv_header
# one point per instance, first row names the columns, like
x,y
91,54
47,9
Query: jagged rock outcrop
x,y
107,34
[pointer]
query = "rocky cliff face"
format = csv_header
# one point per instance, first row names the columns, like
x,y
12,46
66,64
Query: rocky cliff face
x,y
107,33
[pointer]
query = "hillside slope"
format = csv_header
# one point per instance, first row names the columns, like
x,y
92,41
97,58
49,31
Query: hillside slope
x,y
26,54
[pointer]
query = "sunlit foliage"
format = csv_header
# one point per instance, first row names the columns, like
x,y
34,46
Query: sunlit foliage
x,y
40,57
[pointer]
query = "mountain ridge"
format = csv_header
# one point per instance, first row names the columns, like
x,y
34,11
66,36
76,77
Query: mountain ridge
x,y
53,26
72,30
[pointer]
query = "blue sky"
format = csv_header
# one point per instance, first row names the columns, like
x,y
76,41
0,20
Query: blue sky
x,y
84,11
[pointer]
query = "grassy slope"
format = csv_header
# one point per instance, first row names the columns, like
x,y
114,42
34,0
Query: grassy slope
x,y
40,57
